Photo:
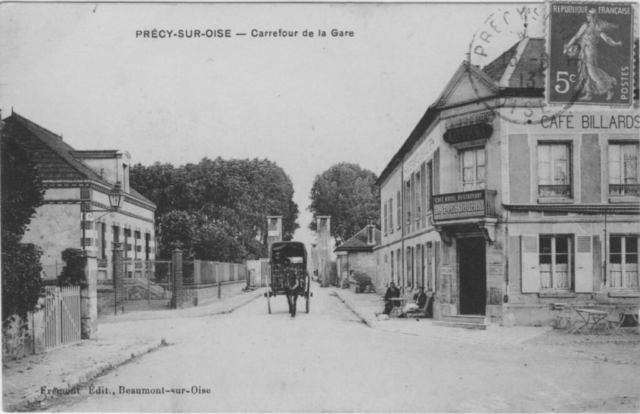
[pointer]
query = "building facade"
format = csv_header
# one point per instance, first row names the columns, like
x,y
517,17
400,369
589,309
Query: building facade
x,y
503,206
357,255
75,178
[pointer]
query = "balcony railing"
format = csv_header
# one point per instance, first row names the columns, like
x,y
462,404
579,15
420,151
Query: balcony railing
x,y
563,191
624,190
468,204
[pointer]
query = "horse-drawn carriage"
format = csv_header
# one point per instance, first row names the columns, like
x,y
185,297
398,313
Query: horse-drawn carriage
x,y
288,260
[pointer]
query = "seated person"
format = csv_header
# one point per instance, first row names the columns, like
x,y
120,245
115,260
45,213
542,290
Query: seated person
x,y
392,292
420,300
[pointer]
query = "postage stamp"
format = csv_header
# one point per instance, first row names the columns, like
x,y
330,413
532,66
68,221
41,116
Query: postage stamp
x,y
591,53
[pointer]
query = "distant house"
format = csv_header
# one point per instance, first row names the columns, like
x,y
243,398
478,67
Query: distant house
x,y
71,178
357,254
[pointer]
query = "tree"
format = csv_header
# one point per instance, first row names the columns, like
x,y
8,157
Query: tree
x,y
349,195
229,198
22,193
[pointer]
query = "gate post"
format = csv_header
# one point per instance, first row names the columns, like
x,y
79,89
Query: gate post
x,y
118,277
178,292
89,298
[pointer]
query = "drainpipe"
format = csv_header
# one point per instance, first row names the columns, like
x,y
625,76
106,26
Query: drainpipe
x,y
402,222
605,253
506,262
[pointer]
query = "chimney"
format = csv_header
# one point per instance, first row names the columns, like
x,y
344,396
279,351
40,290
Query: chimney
x,y
371,238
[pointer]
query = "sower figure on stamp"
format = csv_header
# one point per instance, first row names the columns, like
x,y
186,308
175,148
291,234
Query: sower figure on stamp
x,y
291,290
593,80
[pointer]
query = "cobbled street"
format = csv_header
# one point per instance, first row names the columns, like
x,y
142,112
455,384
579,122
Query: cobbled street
x,y
328,360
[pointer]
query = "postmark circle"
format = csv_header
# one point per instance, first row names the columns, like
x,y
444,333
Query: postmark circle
x,y
496,58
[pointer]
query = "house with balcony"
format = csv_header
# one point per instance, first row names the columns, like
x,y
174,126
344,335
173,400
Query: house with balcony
x,y
504,206
78,183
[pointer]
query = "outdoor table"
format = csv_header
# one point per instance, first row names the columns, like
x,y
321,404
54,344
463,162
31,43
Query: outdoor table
x,y
591,318
398,305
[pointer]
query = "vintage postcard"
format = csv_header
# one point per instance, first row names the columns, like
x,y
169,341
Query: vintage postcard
x,y
320,207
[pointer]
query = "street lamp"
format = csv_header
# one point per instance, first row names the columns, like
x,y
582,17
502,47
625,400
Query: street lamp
x,y
116,196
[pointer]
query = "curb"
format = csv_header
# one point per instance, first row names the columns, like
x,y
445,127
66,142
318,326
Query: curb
x,y
78,378
230,310
364,319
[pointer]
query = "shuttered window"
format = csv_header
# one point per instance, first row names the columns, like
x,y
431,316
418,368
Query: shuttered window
x,y
554,170
555,262
623,262
391,215
623,170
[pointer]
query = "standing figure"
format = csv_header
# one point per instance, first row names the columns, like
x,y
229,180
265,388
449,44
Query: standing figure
x,y
291,290
593,80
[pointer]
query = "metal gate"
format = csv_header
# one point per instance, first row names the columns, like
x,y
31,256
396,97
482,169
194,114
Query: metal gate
x,y
147,284
61,315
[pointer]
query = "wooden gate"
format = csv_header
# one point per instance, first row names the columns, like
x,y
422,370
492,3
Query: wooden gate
x,y
61,315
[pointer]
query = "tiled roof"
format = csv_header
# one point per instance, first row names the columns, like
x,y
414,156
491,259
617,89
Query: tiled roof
x,y
50,152
528,72
359,242
496,69
54,157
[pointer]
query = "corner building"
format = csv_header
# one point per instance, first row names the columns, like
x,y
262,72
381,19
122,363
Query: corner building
x,y
504,206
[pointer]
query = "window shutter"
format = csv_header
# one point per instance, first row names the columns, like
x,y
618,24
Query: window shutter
x,y
530,263
584,265
412,200
423,195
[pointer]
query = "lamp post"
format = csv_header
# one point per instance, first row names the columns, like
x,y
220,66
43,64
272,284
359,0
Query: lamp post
x,y
116,196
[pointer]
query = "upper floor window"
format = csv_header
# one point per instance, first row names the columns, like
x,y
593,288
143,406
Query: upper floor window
x,y
554,170
623,262
623,170
391,215
399,210
385,218
418,198
555,262
473,169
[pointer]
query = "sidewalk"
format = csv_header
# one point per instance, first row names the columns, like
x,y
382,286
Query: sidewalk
x,y
367,305
120,338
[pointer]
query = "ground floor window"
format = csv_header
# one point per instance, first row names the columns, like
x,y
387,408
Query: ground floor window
x,y
623,261
555,262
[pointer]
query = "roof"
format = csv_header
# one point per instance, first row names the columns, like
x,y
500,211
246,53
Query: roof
x,y
528,72
509,81
359,242
55,158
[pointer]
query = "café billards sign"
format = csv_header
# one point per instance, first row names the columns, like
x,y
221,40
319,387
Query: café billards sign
x,y
459,205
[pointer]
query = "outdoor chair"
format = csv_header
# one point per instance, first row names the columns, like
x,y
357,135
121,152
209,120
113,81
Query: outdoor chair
x,y
423,311
613,322
564,316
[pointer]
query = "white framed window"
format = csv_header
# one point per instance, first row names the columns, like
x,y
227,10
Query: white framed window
x,y
473,169
623,169
556,262
391,215
554,170
385,219
623,262
399,210
418,199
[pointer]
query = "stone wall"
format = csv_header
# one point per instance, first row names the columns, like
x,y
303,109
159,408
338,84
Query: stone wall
x,y
106,301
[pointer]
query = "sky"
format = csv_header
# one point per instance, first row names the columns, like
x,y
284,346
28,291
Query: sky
x,y
87,71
